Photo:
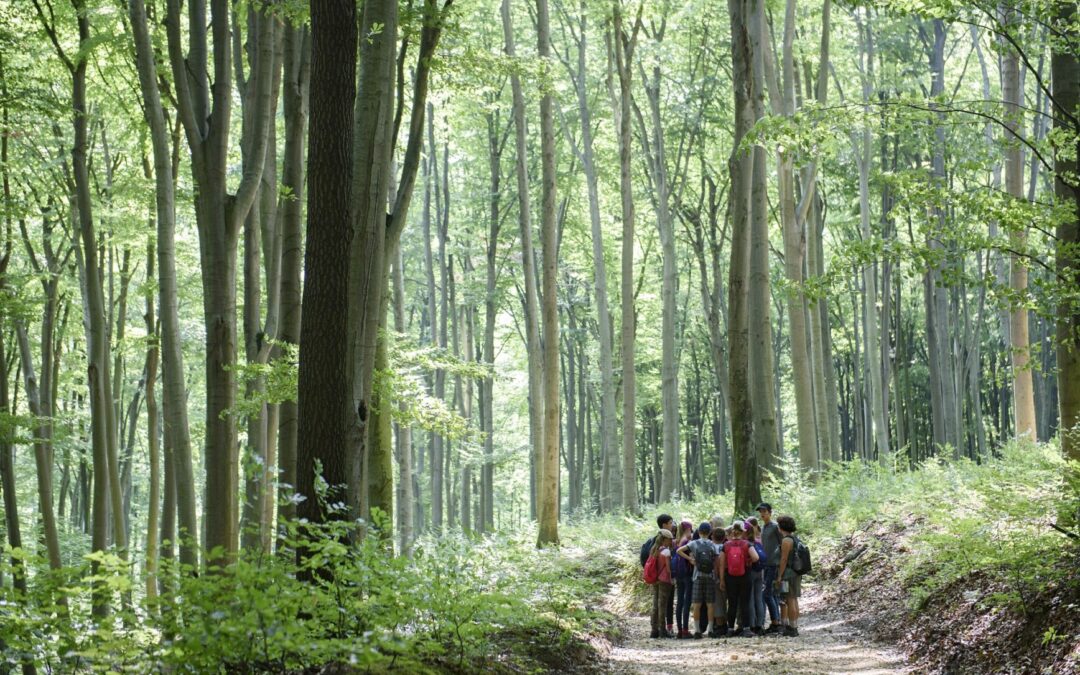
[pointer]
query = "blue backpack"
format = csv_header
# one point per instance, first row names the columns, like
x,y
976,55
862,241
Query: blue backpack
x,y
760,564
680,568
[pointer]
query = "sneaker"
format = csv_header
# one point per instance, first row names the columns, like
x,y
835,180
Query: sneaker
x,y
655,634
682,635
790,631
698,635
666,634
735,633
772,629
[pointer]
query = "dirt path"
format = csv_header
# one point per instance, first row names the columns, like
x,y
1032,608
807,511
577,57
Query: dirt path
x,y
826,644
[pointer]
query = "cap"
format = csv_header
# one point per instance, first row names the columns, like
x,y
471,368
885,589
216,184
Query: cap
x,y
764,506
704,527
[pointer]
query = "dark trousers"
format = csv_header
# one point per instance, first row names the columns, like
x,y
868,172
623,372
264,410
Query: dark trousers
x,y
669,606
662,593
772,603
738,599
684,592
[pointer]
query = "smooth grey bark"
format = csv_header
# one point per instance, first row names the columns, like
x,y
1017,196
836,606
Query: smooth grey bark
x,y
176,435
624,55
205,109
296,82
487,385
528,257
612,497
549,465
762,388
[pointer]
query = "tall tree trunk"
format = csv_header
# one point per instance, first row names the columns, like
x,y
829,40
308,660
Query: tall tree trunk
x,y
549,464
1022,385
487,385
608,438
532,321
762,388
323,383
624,55
373,139
794,252
154,449
219,217
1065,74
177,439
296,83
403,431
740,167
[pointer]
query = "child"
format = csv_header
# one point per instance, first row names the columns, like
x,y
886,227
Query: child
x,y
662,589
757,579
683,573
736,560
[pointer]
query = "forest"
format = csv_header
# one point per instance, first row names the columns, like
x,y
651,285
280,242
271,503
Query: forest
x,y
373,335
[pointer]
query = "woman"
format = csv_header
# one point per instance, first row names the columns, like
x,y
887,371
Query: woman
x,y
683,573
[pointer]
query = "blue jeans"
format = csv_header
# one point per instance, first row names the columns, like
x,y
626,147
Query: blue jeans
x,y
769,595
684,591
757,598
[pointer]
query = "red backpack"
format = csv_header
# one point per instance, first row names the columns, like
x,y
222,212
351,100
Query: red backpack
x,y
736,556
652,569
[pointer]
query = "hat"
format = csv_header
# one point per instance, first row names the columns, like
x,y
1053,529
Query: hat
x,y
764,506
664,533
704,527
738,525
685,523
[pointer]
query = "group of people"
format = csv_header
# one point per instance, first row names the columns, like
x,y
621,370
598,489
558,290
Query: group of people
x,y
725,579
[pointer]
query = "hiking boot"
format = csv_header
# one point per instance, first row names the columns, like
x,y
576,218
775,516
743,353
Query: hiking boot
x,y
698,635
666,634
655,634
790,631
682,635
772,629
735,633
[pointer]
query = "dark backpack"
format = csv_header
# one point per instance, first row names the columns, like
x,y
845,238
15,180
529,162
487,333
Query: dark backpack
x,y
646,548
800,560
680,568
736,557
762,558
704,556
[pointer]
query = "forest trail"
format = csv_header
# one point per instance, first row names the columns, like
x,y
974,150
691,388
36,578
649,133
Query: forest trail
x,y
827,643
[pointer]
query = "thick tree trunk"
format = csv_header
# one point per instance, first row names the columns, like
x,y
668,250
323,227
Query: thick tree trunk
x,y
153,447
740,167
403,431
549,465
323,383
1065,73
487,386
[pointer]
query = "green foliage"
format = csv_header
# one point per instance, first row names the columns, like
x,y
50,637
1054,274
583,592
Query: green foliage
x,y
363,607
958,518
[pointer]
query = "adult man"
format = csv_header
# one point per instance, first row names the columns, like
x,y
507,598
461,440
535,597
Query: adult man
x,y
770,541
789,583
702,555
664,522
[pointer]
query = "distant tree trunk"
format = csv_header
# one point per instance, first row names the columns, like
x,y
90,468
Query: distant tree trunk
x,y
941,362
549,465
669,367
608,438
7,467
404,432
154,449
624,55
323,383
872,352
1065,73
487,386
432,193
296,82
532,322
1022,385
740,166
